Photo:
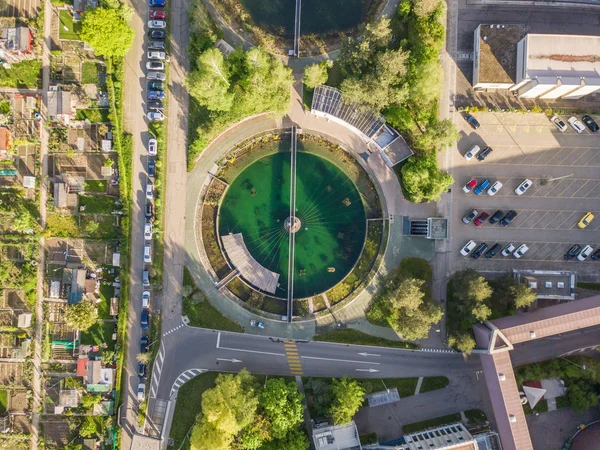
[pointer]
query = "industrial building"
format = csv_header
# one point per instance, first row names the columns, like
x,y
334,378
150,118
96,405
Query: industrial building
x,y
545,66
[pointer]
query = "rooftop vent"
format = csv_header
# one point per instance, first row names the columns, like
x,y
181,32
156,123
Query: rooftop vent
x,y
560,285
548,284
502,377
512,418
532,334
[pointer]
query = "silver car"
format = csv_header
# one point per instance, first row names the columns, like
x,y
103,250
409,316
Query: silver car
x,y
160,76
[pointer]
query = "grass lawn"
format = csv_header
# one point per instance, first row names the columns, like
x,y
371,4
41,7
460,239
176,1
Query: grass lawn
x,y
369,438
562,402
67,28
105,228
25,74
433,383
476,416
95,185
350,336
97,204
590,286
406,386
3,401
542,406
203,314
99,334
97,115
438,421
106,293
89,72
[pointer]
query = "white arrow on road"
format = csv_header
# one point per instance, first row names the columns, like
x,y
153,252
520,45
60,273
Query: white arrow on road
x,y
368,354
229,360
367,370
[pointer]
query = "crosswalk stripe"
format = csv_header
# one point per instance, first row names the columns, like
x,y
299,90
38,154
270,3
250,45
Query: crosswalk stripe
x,y
294,363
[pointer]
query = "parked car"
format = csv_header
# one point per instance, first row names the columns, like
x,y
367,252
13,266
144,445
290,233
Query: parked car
x,y
585,220
572,252
522,188
151,168
155,116
157,55
473,152
144,341
562,127
257,323
157,3
145,319
148,231
159,76
149,191
149,211
492,251
147,253
156,85
145,278
470,185
484,154
157,24
156,45
576,124
479,250
156,95
155,65
158,15
494,188
591,123
587,250
155,104
508,249
520,251
142,370
481,187
152,147
496,217
481,218
157,35
145,299
508,218
468,248
470,216
472,121
596,255
141,392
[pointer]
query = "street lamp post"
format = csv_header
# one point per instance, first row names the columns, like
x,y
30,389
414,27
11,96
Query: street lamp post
x,y
575,364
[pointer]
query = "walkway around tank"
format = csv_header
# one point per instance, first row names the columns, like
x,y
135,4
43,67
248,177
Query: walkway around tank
x,y
292,226
353,313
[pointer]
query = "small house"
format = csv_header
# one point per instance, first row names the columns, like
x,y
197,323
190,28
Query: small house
x,y
59,106
16,44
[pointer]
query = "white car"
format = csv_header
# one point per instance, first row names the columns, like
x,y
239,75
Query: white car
x,y
562,127
147,254
157,24
141,392
522,188
473,152
508,249
494,188
155,116
145,299
520,251
468,248
148,231
156,76
576,124
587,250
155,65
152,147
149,191
157,55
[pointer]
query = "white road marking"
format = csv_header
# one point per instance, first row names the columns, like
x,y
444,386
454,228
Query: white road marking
x,y
368,354
367,370
233,360
218,339
251,351
340,360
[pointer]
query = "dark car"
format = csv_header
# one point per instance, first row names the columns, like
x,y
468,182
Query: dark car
x,y
157,3
155,105
508,218
492,251
149,211
470,216
496,217
472,121
158,35
155,85
484,154
596,255
151,168
142,370
145,321
156,45
591,123
479,250
156,95
144,344
572,252
481,218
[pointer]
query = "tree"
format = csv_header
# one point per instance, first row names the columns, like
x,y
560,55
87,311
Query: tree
x,y
423,8
89,427
209,83
348,396
81,316
295,439
462,342
107,32
581,396
282,403
206,436
315,75
471,293
144,358
522,295
321,395
256,434
422,179
89,400
437,136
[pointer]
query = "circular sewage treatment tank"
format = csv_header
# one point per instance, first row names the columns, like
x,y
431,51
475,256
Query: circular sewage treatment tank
x,y
329,223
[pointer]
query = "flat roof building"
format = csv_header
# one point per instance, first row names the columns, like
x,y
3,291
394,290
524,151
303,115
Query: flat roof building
x,y
549,284
337,437
495,56
453,436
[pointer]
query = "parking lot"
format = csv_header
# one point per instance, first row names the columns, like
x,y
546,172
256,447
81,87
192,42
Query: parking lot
x,y
564,169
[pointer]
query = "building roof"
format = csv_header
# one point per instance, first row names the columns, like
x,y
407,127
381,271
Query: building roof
x,y
549,284
94,372
59,103
141,442
18,39
69,398
82,367
60,195
498,52
337,437
4,138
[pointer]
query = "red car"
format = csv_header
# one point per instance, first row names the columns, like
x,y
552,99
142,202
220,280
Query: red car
x,y
481,218
469,186
159,15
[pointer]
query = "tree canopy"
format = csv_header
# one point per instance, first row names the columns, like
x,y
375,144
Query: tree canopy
x,y
522,295
282,403
106,30
347,397
17,214
81,316
422,179
315,75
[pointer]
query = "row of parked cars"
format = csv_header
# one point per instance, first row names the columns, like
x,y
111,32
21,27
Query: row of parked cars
x,y
575,124
156,77
471,248
480,187
498,217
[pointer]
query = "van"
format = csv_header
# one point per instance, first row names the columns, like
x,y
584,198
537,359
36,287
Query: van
x,y
147,254
145,279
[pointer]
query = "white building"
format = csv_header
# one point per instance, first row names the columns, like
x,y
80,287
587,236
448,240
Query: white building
x,y
336,437
447,437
